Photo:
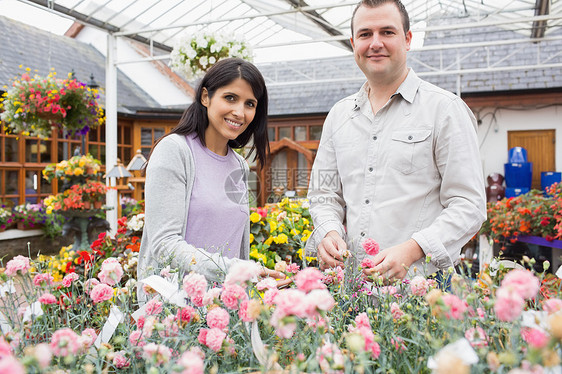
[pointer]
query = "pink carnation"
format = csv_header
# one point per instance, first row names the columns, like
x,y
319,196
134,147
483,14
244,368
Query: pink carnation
x,y
202,336
89,284
509,304
292,268
320,299
136,338
455,306
243,312
552,305
218,318
397,313
266,283
47,299
214,339
46,278
523,282
68,279
65,342
330,358
153,307
309,279
270,295
362,320
535,337
419,285
371,247
211,296
186,314
120,361
18,263
192,361
242,272
159,352
111,271
5,348
194,285
232,294
11,365
101,292
477,337
368,263
88,337
291,302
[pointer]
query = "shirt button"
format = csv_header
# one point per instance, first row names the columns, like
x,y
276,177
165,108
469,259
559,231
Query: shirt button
x,y
362,233
370,169
375,137
410,137
366,201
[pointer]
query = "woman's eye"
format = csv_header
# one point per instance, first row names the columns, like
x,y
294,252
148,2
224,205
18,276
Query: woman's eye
x,y
251,104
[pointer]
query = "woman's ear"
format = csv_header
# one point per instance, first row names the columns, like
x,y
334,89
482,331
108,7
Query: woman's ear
x,y
204,97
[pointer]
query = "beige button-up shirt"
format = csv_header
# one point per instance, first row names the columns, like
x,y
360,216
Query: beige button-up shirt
x,y
412,170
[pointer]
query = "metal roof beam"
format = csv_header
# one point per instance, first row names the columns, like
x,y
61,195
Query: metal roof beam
x,y
539,27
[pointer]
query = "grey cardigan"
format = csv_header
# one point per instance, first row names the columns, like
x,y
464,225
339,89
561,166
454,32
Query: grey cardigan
x,y
170,177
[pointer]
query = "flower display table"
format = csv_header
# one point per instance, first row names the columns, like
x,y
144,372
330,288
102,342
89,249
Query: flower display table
x,y
540,241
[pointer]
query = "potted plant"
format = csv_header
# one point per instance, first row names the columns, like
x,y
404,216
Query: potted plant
x,y
193,55
6,218
34,105
29,216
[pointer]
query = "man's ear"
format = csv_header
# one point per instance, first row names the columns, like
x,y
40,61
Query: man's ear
x,y
351,40
205,97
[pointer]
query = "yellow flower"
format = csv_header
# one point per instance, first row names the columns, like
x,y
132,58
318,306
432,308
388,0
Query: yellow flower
x,y
78,171
269,240
295,232
272,226
255,217
281,239
305,221
251,238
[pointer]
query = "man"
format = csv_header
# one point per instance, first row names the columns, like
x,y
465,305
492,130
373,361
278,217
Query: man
x,y
398,162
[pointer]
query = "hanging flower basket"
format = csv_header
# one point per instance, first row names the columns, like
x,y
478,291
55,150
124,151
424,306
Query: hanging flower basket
x,y
193,55
34,106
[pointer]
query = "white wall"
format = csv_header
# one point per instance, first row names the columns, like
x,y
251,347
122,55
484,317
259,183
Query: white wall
x,y
144,74
492,133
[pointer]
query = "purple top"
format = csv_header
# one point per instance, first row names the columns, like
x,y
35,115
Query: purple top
x,y
218,208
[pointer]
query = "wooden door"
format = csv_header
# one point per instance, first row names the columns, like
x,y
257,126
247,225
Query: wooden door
x,y
540,146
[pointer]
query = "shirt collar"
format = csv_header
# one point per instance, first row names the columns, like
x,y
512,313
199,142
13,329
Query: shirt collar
x,y
407,89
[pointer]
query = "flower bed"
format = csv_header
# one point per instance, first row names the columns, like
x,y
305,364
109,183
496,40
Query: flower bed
x,y
329,322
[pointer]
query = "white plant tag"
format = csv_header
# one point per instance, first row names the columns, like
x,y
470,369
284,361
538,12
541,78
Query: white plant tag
x,y
114,319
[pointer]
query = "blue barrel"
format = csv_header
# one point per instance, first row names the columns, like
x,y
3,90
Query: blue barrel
x,y
514,192
548,178
518,174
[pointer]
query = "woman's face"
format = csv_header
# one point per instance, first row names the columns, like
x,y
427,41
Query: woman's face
x,y
231,109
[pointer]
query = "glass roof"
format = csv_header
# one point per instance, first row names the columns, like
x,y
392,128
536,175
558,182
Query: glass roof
x,y
297,29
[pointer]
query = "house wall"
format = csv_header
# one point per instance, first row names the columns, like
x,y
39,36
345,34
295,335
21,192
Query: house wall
x,y
496,122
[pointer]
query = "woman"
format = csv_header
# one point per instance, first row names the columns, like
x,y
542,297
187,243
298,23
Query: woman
x,y
197,213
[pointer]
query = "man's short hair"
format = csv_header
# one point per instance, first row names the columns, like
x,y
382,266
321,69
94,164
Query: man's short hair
x,y
377,3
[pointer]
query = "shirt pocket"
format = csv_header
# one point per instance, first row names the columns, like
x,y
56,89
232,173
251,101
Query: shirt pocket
x,y
411,150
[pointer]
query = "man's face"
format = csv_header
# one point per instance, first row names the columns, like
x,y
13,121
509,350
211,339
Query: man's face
x,y
379,42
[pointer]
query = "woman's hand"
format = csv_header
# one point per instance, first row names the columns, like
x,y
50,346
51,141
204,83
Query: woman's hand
x,y
282,279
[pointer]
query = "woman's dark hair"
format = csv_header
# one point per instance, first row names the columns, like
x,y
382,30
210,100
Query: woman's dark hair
x,y
224,72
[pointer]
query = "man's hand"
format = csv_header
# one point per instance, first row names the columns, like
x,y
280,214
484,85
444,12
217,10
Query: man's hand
x,y
330,251
393,263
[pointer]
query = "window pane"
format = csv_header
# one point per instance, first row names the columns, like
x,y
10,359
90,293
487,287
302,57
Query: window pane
x,y
271,134
12,182
11,149
302,171
300,133
31,148
284,132
158,133
145,151
127,131
102,154
45,149
45,186
146,136
93,135
126,155
315,132
94,151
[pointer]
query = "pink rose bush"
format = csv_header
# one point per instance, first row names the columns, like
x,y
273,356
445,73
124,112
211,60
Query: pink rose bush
x,y
331,321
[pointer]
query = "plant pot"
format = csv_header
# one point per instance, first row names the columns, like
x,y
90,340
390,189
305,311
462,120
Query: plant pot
x,y
50,116
98,204
23,226
87,205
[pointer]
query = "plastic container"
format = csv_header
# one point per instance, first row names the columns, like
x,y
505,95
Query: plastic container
x,y
517,154
519,174
548,178
514,192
